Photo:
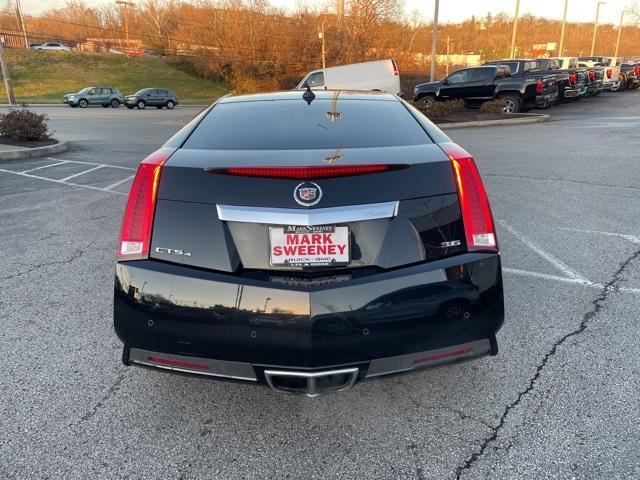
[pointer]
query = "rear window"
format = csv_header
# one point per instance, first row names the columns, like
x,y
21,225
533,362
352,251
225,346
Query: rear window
x,y
294,125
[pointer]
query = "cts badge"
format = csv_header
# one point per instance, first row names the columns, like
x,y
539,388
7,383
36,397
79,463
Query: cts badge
x,y
173,251
307,194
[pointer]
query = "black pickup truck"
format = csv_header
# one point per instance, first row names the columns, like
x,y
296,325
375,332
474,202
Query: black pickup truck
x,y
571,83
480,84
630,73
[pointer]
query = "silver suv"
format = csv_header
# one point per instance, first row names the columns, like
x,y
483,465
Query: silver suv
x,y
105,96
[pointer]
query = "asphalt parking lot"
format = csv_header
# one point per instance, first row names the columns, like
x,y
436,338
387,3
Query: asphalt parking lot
x,y
560,401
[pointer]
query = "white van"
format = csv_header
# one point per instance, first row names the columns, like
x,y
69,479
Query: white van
x,y
379,75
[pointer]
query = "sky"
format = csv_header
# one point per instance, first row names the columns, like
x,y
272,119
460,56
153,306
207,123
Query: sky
x,y
450,10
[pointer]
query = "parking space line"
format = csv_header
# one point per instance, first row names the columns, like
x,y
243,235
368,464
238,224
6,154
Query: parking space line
x,y
554,278
546,276
119,182
631,238
92,163
564,268
62,162
53,180
81,173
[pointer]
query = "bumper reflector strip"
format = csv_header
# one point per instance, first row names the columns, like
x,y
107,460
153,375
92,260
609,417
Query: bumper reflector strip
x,y
440,356
178,363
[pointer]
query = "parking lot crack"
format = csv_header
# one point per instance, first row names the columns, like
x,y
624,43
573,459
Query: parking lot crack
x,y
108,394
596,306
78,253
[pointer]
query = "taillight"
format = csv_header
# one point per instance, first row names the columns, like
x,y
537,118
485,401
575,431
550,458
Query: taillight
x,y
395,68
135,235
539,86
609,72
592,75
306,173
572,78
474,204
636,71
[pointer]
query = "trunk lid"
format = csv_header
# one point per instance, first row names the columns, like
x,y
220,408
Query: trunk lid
x,y
421,217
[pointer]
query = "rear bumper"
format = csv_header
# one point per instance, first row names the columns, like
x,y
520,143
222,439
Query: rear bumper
x,y
575,92
546,99
595,86
239,326
612,85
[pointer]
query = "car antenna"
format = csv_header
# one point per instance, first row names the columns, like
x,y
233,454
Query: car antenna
x,y
308,96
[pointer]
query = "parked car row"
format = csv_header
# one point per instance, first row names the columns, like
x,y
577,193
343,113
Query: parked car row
x,y
112,97
534,82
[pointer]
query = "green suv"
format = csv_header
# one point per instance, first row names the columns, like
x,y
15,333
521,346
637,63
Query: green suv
x,y
105,96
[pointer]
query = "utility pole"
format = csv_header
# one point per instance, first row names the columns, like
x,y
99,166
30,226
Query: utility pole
x,y
595,28
321,36
125,13
619,33
6,75
448,42
564,23
512,50
24,29
434,42
340,11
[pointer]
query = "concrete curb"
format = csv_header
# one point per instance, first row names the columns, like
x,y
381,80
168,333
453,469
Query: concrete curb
x,y
19,154
522,119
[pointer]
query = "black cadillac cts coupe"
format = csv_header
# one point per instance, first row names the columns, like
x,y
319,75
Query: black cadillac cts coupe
x,y
307,241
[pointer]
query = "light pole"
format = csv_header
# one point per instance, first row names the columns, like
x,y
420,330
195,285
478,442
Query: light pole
x,y
125,13
24,29
321,37
619,33
564,23
595,28
512,51
434,42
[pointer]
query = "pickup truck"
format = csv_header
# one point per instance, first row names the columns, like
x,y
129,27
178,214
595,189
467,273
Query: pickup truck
x,y
480,84
630,73
595,77
572,80
612,77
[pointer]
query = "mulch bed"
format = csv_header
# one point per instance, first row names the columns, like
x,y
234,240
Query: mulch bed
x,y
20,143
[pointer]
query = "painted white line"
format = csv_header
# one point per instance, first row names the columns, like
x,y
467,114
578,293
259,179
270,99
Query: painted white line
x,y
119,182
631,238
62,162
52,180
81,173
564,268
546,276
91,163
554,278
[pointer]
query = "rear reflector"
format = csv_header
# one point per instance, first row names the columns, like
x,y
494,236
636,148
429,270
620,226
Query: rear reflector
x,y
169,362
480,233
305,173
443,355
135,235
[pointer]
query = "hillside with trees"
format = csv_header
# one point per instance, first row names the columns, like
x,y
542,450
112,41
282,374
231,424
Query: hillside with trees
x,y
251,44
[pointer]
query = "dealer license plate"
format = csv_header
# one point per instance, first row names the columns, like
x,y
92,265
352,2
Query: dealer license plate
x,y
299,246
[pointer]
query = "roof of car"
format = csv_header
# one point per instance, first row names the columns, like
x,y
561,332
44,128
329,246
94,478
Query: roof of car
x,y
319,94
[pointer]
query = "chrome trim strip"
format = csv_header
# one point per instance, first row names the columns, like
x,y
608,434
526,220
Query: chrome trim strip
x,y
405,363
217,368
316,216
311,386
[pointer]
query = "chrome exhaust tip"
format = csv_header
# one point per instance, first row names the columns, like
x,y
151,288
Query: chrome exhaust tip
x,y
311,384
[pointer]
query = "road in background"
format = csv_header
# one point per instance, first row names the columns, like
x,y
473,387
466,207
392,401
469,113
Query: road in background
x,y
560,400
